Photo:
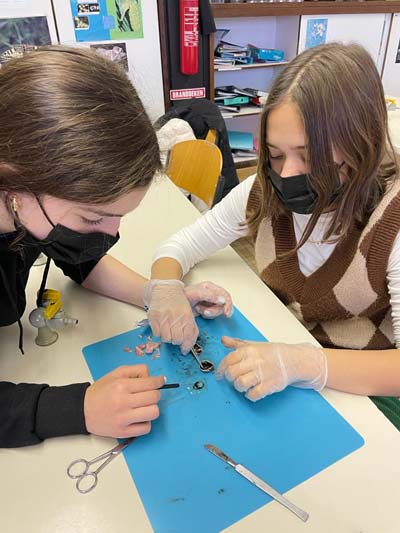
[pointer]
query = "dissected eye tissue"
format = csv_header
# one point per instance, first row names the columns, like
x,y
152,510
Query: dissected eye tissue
x,y
150,348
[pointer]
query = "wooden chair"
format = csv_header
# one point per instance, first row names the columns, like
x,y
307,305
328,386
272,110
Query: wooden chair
x,y
196,167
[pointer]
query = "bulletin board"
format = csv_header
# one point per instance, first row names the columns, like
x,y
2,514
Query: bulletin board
x,y
141,54
98,20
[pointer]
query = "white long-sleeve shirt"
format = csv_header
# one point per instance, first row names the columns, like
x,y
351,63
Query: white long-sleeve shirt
x,y
226,222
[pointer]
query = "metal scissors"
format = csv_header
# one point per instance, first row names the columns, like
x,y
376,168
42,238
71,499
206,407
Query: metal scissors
x,y
83,473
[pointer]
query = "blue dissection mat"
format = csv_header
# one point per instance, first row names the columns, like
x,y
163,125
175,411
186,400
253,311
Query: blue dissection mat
x,y
285,438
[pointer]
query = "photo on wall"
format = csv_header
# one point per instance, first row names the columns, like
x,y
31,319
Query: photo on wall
x,y
316,32
89,8
27,31
81,23
115,52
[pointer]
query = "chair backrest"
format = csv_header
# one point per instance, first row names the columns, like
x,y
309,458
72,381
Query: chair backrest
x,y
211,136
196,167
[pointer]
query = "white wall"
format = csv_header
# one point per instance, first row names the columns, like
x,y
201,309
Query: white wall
x,y
369,30
144,56
391,70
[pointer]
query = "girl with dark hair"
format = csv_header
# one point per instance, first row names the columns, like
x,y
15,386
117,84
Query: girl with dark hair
x,y
77,153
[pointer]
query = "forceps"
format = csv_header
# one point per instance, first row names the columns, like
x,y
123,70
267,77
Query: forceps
x,y
88,477
204,364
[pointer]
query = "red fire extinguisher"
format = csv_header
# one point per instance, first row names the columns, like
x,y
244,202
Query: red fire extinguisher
x,y
189,34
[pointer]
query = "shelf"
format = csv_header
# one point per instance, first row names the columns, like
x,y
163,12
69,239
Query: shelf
x,y
229,68
244,112
241,162
277,9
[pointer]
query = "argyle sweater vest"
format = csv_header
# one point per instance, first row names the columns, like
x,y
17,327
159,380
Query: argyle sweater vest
x,y
345,303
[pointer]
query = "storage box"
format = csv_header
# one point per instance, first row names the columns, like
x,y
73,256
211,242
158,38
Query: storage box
x,y
266,54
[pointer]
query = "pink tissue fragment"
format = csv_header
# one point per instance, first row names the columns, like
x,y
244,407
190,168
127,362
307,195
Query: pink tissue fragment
x,y
151,346
156,354
148,348
139,350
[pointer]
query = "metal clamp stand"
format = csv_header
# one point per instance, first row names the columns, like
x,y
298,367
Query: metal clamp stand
x,y
49,315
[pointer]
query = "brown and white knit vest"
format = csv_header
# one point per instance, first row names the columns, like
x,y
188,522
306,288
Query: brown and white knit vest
x,y
345,303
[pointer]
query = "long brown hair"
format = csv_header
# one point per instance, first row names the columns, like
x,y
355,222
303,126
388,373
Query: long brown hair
x,y
72,126
339,95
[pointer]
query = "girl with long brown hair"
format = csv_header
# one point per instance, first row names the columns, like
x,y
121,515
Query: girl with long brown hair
x,y
324,212
77,153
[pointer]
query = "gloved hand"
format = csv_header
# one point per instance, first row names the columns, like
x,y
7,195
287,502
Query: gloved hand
x,y
262,368
209,300
172,307
170,313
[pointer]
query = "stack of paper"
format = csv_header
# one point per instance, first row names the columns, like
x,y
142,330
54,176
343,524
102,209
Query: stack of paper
x,y
231,98
229,53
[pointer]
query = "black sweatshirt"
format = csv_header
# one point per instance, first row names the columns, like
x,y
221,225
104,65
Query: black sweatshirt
x,y
30,413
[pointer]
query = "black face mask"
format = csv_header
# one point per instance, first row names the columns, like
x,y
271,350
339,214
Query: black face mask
x,y
296,193
69,246
61,244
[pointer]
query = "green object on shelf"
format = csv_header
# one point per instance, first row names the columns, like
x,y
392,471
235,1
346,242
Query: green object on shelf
x,y
237,100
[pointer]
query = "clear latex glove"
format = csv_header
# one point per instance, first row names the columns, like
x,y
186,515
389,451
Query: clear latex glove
x,y
170,313
209,300
262,368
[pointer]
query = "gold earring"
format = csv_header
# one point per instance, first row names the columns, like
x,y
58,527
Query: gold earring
x,y
14,204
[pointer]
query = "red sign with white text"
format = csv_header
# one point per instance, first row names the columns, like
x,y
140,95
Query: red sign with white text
x,y
184,94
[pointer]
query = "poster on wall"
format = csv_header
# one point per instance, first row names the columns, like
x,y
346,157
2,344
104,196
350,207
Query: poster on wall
x,y
107,20
316,32
115,52
17,34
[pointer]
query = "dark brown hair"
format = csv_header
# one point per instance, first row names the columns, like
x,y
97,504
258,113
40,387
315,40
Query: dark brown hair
x,y
72,126
339,95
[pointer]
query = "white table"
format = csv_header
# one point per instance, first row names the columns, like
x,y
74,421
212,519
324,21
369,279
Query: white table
x,y
359,493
